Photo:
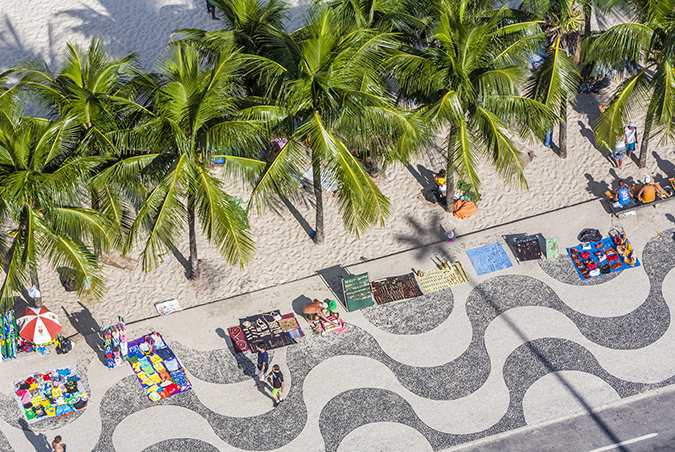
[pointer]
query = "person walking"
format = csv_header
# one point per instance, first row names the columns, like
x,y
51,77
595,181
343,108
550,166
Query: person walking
x,y
263,364
548,139
57,445
277,379
630,137
620,152
210,8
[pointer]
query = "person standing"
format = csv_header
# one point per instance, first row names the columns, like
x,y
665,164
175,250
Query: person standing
x,y
210,8
57,445
620,152
630,137
277,379
548,139
263,364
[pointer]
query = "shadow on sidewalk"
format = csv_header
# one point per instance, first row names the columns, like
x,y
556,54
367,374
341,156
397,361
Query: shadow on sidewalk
x,y
332,277
39,441
83,321
243,362
553,369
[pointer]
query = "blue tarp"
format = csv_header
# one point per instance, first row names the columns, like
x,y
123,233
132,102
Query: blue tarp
x,y
489,258
593,247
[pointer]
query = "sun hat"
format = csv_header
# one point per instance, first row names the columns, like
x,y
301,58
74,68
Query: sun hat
x,y
648,179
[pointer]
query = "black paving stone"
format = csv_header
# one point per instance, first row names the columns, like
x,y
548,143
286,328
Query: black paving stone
x,y
413,315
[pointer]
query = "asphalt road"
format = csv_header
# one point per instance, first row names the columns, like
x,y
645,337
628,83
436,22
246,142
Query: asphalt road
x,y
644,423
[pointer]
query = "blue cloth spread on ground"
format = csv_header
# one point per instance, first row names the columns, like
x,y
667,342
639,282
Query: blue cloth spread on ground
x,y
489,258
592,248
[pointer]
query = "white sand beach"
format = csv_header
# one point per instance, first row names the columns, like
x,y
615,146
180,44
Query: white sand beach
x,y
285,251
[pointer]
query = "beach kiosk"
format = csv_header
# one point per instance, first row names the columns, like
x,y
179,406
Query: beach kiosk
x,y
358,292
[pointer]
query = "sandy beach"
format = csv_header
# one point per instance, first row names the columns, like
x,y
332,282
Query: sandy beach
x,y
285,251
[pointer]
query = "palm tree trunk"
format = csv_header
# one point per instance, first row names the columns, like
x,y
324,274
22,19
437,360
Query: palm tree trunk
x,y
318,195
193,271
35,281
95,205
588,11
449,178
450,191
644,145
562,137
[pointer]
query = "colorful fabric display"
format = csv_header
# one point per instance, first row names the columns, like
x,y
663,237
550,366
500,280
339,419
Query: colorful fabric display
x,y
8,336
115,344
156,367
51,394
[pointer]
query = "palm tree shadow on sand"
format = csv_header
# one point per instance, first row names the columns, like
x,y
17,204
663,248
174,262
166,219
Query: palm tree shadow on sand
x,y
150,21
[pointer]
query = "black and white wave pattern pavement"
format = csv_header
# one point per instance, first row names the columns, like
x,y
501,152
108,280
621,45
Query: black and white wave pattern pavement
x,y
422,374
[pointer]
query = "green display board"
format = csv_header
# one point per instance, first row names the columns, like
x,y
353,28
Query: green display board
x,y
358,294
552,250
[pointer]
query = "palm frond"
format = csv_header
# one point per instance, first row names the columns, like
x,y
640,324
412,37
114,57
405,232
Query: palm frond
x,y
224,221
609,125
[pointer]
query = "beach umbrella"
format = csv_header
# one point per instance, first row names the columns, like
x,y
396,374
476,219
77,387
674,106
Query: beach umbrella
x,y
38,325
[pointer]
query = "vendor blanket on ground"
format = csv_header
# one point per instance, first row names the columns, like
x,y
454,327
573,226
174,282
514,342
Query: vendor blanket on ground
x,y
157,368
443,278
396,288
597,258
265,328
50,394
488,259
238,340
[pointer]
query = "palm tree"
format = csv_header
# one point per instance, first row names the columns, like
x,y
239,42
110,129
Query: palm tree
x,y
644,48
7,97
466,80
555,82
42,174
407,17
328,96
195,109
92,89
250,24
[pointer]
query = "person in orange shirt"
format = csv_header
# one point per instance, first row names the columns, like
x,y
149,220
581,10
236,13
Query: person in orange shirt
x,y
649,191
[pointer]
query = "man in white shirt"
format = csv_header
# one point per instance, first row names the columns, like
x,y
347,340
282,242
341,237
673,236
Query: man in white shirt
x,y
630,137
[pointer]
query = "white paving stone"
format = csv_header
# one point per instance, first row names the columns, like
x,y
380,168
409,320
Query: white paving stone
x,y
565,393
385,437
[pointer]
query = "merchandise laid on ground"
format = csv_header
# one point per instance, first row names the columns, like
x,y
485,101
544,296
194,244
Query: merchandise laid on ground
x,y
157,368
395,288
266,328
168,307
358,292
528,248
552,248
8,336
442,278
330,328
51,394
289,324
238,339
608,255
489,258
271,328
115,344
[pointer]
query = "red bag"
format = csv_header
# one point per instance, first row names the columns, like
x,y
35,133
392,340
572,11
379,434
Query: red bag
x,y
592,266
585,254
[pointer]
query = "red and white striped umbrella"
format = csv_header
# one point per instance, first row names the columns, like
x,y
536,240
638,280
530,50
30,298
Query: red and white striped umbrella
x,y
38,325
